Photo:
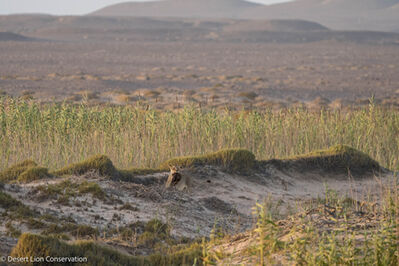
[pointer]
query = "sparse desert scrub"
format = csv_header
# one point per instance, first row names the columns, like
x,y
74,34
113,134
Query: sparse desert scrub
x,y
97,254
67,189
248,95
14,208
54,135
87,95
334,230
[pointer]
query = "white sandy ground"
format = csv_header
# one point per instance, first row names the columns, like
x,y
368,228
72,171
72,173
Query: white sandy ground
x,y
216,198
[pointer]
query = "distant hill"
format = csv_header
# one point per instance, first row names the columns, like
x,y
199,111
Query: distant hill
x,y
274,25
139,29
179,8
381,15
376,15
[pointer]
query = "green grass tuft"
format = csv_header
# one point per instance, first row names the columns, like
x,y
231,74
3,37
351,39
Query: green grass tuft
x,y
337,158
13,172
67,189
98,163
33,173
92,188
6,201
31,245
233,160
14,207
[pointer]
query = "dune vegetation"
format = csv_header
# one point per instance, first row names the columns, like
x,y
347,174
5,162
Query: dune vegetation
x,y
55,135
62,140
339,158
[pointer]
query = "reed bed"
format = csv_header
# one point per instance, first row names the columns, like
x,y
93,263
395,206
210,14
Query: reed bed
x,y
57,134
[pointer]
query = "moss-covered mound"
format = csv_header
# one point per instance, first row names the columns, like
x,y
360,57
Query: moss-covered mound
x,y
98,163
31,245
26,171
233,160
33,173
339,158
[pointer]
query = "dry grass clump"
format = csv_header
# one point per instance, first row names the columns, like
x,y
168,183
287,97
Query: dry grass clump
x,y
27,95
234,160
143,78
340,158
73,98
123,98
87,95
333,230
152,94
250,95
98,163
24,172
31,245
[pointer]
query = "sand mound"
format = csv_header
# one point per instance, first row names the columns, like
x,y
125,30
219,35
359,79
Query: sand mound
x,y
85,201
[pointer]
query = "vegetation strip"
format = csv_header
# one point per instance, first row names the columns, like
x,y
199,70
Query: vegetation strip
x,y
337,158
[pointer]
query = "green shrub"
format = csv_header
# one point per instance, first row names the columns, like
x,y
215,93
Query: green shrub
x,y
6,201
15,208
92,188
12,231
13,172
156,226
75,230
233,160
31,245
337,158
98,163
33,173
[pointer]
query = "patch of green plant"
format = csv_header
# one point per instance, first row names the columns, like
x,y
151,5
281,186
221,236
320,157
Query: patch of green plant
x,y
6,201
31,128
78,231
24,172
33,223
91,188
128,206
33,173
340,158
66,189
98,163
234,160
41,246
15,208
12,231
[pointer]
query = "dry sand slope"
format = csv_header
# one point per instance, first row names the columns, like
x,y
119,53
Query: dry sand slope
x,y
217,198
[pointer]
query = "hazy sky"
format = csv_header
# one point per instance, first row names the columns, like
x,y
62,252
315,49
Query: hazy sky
x,y
67,6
